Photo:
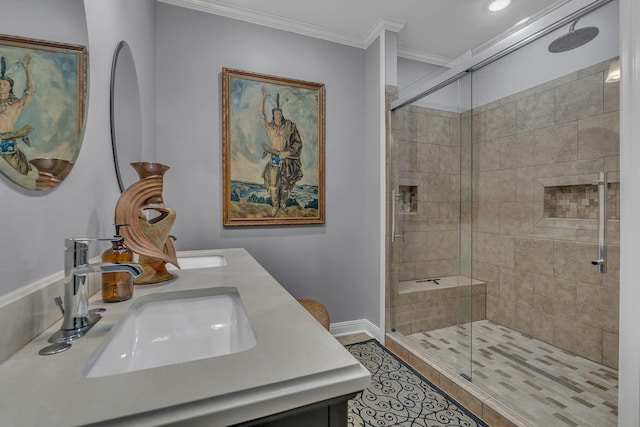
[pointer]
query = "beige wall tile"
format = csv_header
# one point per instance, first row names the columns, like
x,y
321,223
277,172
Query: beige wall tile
x,y
610,349
611,97
587,236
500,250
449,214
486,156
572,261
527,185
497,186
438,130
402,316
598,307
535,112
579,99
599,136
579,167
501,121
406,156
410,126
556,144
488,273
611,164
414,246
534,255
464,308
501,311
535,323
612,276
441,245
517,150
582,340
454,131
443,187
554,233
479,307
486,217
516,286
479,130
436,268
449,159
516,218
477,246
428,158
555,296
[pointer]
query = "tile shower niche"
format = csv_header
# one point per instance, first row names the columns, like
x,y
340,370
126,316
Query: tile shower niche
x,y
568,208
580,201
408,199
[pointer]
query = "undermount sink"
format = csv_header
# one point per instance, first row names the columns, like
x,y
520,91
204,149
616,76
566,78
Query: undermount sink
x,y
174,327
199,261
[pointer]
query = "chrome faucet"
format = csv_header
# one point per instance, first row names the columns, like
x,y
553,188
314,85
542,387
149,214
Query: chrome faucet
x,y
78,319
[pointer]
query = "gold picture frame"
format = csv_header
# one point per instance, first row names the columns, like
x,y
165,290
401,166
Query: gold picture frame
x,y
43,94
273,131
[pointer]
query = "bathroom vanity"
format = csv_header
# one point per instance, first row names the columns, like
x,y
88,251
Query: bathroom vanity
x,y
291,372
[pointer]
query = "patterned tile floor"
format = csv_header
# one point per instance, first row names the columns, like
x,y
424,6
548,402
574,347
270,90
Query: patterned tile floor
x,y
544,384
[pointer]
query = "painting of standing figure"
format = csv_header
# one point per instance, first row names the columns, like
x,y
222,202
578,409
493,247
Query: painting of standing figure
x,y
42,105
273,150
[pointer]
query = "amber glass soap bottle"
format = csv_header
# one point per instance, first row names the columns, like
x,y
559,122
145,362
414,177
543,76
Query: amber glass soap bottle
x,y
117,286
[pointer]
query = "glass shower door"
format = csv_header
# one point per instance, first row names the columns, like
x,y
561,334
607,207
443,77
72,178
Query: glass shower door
x,y
430,211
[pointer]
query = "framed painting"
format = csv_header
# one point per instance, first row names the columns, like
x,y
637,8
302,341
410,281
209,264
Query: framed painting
x,y
43,87
273,150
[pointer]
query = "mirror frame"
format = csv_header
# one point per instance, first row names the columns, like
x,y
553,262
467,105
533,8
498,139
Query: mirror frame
x,y
112,109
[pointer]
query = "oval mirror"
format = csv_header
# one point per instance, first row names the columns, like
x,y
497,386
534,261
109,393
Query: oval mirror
x,y
43,93
126,116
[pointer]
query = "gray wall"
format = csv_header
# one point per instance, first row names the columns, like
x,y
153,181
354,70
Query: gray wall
x,y
326,262
36,223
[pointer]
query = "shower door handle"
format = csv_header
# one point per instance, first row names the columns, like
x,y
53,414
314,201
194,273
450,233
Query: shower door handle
x,y
601,261
394,236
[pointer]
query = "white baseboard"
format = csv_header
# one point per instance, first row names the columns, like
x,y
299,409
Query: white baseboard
x,y
355,327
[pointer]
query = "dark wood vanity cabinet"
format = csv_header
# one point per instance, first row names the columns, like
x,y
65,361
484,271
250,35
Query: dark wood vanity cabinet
x,y
328,413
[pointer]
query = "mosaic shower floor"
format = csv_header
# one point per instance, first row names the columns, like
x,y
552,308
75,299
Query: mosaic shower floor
x,y
543,383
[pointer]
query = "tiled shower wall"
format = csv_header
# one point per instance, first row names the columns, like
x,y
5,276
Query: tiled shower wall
x,y
426,157
538,270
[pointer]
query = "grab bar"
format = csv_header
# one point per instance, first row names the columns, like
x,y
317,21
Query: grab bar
x,y
601,261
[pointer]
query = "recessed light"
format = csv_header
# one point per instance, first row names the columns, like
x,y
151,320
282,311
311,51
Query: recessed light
x,y
497,5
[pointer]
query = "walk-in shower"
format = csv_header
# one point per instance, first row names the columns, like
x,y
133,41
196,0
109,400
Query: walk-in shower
x,y
504,215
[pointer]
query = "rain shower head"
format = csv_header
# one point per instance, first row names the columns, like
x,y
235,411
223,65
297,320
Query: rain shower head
x,y
574,38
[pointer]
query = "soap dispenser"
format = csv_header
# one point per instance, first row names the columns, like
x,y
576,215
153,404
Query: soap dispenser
x,y
117,286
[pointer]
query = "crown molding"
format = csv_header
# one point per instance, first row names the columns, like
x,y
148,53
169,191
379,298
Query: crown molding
x,y
431,58
270,20
216,7
383,24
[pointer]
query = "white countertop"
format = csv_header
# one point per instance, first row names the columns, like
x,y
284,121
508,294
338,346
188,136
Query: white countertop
x,y
295,362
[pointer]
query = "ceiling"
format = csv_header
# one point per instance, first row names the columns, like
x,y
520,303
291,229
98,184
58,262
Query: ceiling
x,y
434,31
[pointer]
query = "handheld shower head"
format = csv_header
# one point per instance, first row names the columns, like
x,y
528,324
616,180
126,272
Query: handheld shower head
x,y
574,38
